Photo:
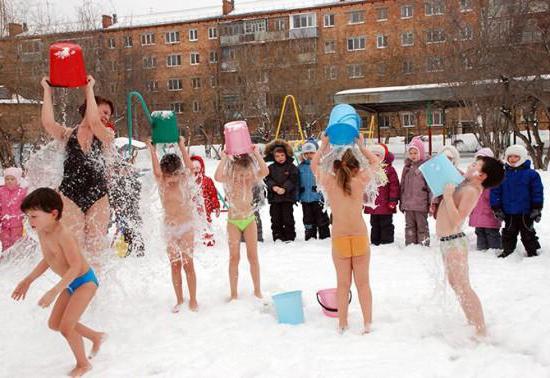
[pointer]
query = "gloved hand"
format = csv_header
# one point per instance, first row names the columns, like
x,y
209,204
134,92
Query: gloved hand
x,y
535,215
499,214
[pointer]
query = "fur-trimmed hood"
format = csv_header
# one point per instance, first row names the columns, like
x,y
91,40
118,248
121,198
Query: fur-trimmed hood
x,y
271,146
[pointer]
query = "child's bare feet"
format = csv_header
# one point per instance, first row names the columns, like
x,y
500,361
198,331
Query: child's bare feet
x,y
342,329
258,294
96,344
193,305
79,371
366,329
177,308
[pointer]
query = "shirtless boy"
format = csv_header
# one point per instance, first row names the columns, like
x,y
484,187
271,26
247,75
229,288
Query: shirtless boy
x,y
173,180
456,206
344,185
78,283
239,181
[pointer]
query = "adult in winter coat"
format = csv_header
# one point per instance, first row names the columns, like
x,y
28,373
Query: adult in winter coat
x,y
518,202
415,195
315,218
381,217
482,218
11,217
282,189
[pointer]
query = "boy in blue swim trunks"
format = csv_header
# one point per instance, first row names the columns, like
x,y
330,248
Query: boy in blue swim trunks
x,y
78,284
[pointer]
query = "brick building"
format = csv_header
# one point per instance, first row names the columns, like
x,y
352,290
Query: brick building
x,y
215,64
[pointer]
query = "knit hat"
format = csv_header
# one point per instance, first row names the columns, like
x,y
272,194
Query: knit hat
x,y
15,172
418,145
485,151
380,149
452,153
518,150
308,147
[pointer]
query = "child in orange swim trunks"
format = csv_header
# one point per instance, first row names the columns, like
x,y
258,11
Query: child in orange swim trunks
x,y
344,186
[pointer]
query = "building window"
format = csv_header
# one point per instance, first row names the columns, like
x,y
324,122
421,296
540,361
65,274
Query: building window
x,y
467,63
408,119
434,64
114,66
330,47
212,33
111,43
173,60
31,47
434,7
465,5
331,72
194,58
149,62
193,35
408,67
435,36
381,69
147,39
355,71
466,32
254,26
176,107
175,84
381,41
437,118
356,17
407,39
152,85
213,57
384,121
196,82
127,41
406,11
381,14
356,43
214,81
196,107
172,37
329,20
299,21
280,24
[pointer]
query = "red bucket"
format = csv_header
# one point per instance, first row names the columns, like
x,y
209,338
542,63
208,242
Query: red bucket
x,y
67,68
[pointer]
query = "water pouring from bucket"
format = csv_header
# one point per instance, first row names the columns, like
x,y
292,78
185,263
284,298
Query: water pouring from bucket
x,y
343,125
67,68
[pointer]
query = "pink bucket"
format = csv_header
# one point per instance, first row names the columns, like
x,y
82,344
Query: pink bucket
x,y
237,138
329,302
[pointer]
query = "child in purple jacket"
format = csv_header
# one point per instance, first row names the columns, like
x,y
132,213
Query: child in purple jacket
x,y
482,218
381,217
11,216
415,195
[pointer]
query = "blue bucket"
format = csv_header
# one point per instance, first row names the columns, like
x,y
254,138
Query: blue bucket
x,y
343,125
289,307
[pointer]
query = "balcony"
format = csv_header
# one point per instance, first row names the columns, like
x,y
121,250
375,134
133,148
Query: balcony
x,y
258,37
299,33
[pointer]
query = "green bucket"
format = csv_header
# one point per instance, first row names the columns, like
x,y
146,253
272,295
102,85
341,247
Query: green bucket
x,y
165,127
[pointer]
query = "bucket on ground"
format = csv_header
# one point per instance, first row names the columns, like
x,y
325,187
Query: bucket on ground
x,y
289,307
165,127
343,125
328,300
67,68
237,138
438,172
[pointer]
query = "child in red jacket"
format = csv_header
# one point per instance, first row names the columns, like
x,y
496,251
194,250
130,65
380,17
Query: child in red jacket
x,y
381,217
210,195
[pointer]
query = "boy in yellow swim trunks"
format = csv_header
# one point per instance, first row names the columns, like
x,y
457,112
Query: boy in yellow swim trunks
x,y
344,185
239,178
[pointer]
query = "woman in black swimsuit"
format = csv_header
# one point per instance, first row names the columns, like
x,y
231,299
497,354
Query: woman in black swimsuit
x,y
84,186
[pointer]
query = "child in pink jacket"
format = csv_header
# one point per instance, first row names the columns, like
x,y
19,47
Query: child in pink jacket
x,y
11,217
482,218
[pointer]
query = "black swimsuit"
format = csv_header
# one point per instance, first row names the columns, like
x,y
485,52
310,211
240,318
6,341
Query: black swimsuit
x,y
84,180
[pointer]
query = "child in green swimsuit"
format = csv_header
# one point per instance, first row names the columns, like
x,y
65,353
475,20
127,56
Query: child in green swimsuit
x,y
239,176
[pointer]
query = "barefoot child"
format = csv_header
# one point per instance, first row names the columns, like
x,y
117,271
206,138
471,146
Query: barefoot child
x,y
344,187
455,207
240,178
78,284
173,179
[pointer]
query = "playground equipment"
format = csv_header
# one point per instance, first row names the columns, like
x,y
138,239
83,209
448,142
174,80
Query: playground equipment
x,y
163,122
296,114
343,125
67,68
237,138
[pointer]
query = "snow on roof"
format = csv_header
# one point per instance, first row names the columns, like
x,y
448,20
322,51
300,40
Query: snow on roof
x,y
17,99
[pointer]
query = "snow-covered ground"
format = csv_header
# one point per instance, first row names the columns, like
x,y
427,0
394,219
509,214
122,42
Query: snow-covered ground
x,y
418,329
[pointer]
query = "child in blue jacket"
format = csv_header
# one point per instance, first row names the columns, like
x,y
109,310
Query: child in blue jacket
x,y
315,218
518,202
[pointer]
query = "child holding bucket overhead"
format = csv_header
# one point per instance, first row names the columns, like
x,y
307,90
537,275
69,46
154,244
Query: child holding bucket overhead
x,y
173,178
240,173
344,185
